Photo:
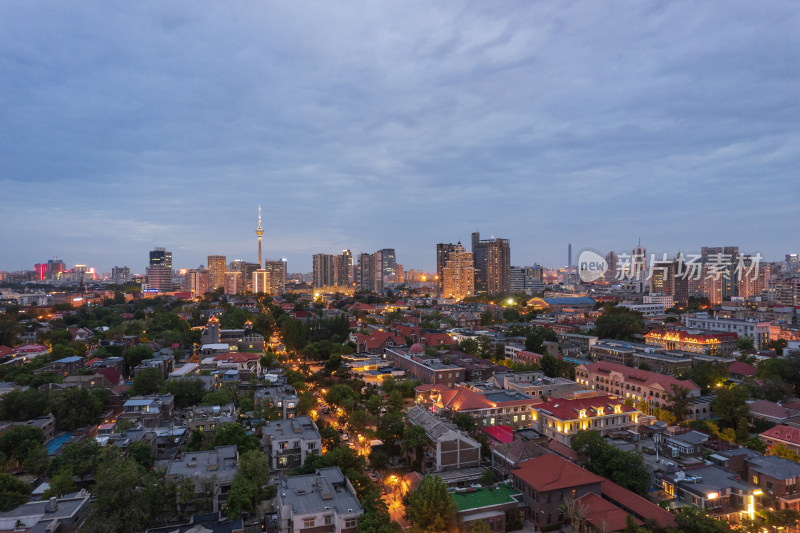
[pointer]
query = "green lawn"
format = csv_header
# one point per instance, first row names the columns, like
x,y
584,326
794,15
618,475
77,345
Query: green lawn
x,y
484,497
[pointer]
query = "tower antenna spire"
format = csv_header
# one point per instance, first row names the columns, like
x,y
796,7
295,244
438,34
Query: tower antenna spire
x,y
259,232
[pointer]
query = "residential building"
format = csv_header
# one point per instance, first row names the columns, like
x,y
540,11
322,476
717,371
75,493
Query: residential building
x,y
217,266
56,515
365,274
159,273
458,274
492,260
561,419
722,493
150,411
212,472
324,501
120,275
385,268
447,448
429,370
343,268
197,281
775,476
758,331
277,277
289,442
787,436
280,396
496,407
442,255
537,385
324,272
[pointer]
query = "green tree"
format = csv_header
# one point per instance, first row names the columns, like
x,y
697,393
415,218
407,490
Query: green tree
x,y
697,520
142,453
782,451
20,442
147,381
618,323
678,403
624,468
306,403
218,397
464,422
234,433
136,355
60,484
374,404
249,485
75,407
430,507
79,458
391,428
730,404
197,440
745,344
469,346
13,492
24,405
415,439
187,392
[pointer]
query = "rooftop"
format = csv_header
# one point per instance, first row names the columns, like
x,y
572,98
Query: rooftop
x,y
314,493
485,497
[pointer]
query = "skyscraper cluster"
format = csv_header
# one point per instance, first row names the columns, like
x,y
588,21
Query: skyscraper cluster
x,y
484,270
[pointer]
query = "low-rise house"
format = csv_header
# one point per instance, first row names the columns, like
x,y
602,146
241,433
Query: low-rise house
x,y
290,442
719,491
447,447
688,443
775,476
537,385
428,369
496,506
507,457
787,436
561,419
208,418
493,407
64,514
279,395
324,501
211,471
150,410
769,412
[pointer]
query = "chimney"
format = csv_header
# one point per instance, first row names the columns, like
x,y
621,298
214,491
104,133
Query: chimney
x,y
52,505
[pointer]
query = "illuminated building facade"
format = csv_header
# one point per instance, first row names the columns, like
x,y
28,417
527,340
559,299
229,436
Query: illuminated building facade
x,y
711,343
277,276
561,419
343,268
216,269
197,281
442,254
458,274
324,270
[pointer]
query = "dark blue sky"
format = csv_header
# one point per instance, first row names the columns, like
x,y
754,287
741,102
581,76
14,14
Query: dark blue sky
x,y
365,125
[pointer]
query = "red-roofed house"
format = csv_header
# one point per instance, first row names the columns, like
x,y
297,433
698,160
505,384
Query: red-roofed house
x,y
525,357
5,351
488,409
243,362
360,307
639,385
561,419
438,340
377,342
739,370
548,480
501,434
786,435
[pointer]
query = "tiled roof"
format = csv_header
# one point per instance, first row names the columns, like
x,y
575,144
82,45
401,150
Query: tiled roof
x,y
237,357
5,350
520,450
466,399
770,409
741,368
784,433
602,514
640,376
552,472
438,339
636,504
503,434
569,409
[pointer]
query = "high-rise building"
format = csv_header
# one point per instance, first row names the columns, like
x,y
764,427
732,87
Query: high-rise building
x,y
720,263
400,275
492,260
120,275
55,267
612,259
639,262
459,274
277,276
442,253
259,232
528,279
234,282
216,271
324,270
159,273
366,273
385,262
344,268
197,281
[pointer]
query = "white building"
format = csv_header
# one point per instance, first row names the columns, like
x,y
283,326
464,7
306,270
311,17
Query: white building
x,y
758,331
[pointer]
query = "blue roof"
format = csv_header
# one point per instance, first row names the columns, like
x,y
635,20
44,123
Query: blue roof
x,y
72,359
578,300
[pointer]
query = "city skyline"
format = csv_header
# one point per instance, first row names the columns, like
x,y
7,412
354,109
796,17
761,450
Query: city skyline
x,y
363,127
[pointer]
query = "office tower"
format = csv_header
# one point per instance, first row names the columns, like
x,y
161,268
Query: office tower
x,y
612,260
527,279
198,281
277,276
662,280
517,276
639,262
259,232
492,261
459,274
385,262
120,275
233,282
399,274
792,264
344,268
40,270
324,271
216,271
442,253
159,274
365,272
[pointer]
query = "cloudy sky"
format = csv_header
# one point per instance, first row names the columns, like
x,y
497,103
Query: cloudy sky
x,y
368,125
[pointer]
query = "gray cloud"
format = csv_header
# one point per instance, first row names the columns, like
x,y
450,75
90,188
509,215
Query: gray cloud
x,y
365,125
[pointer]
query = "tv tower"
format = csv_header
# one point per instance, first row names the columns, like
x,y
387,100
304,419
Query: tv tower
x,y
259,232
